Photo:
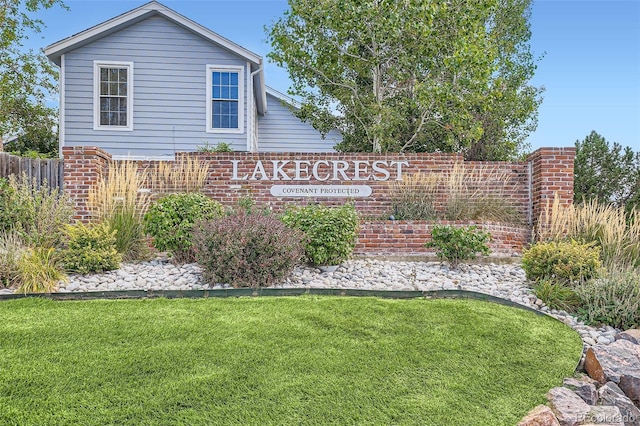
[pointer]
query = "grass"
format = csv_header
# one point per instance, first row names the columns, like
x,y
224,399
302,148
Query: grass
x,y
617,233
307,360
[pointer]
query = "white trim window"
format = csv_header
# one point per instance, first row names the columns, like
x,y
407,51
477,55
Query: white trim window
x,y
225,99
112,95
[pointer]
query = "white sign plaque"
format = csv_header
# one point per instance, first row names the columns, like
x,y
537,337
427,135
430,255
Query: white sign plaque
x,y
320,191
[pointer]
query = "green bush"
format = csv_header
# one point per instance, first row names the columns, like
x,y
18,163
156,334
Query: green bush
x,y
35,212
556,295
12,249
90,248
456,244
612,300
130,238
170,222
331,231
566,262
246,250
39,270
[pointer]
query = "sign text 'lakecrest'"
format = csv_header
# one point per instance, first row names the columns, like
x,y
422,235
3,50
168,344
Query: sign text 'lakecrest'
x,y
320,170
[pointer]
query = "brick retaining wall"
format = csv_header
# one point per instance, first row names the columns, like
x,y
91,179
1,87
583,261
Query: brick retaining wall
x,y
545,173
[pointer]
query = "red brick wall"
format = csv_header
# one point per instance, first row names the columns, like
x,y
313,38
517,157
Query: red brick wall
x,y
83,166
552,173
546,172
408,237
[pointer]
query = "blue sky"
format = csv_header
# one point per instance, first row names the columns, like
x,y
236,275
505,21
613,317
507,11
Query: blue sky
x,y
589,49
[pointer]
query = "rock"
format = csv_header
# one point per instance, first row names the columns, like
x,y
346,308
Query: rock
x,y
632,335
630,385
586,391
610,362
611,394
568,407
540,416
603,415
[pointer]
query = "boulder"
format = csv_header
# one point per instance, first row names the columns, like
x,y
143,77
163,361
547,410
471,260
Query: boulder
x,y
603,415
568,407
585,390
610,362
611,394
632,335
540,416
630,385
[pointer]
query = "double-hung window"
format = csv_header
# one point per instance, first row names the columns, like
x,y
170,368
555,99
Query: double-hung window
x,y
225,100
113,95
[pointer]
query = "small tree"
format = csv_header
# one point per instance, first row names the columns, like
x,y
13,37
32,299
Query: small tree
x,y
606,172
26,77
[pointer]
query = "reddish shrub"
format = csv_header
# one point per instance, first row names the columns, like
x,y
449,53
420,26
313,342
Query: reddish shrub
x,y
247,250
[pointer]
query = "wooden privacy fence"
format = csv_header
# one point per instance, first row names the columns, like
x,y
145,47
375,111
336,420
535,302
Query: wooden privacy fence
x,y
39,169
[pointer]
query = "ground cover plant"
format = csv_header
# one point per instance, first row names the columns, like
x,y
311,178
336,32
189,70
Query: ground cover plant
x,y
309,360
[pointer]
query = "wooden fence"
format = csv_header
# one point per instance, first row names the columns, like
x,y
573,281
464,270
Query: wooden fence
x,y
39,169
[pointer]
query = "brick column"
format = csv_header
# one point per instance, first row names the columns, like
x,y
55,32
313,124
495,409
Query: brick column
x,y
83,166
551,176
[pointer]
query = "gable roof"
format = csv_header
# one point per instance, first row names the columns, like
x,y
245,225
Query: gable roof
x,y
55,51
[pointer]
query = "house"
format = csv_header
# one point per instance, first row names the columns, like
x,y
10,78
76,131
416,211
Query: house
x,y
151,82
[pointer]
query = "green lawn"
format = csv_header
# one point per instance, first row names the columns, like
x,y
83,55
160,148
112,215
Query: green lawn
x,y
250,361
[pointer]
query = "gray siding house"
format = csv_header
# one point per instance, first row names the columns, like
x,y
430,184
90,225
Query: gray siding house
x,y
150,82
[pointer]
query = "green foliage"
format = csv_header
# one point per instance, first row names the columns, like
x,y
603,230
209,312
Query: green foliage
x,y
413,198
418,76
607,173
612,300
27,78
90,248
331,231
39,270
11,250
564,262
130,239
246,250
170,222
220,147
556,295
456,244
35,212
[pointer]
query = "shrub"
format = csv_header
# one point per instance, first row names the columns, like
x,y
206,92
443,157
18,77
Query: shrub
x,y
413,198
119,201
91,249
456,244
187,174
220,147
613,300
12,249
246,250
34,211
565,262
331,231
614,230
170,222
556,295
479,194
39,270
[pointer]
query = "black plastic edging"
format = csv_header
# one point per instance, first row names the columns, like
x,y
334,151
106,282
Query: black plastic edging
x,y
271,292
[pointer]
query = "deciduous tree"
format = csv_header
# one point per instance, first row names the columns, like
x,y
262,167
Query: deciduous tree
x,y
412,75
26,77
